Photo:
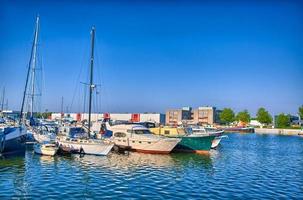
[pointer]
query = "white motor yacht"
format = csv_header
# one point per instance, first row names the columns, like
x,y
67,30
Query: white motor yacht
x,y
139,138
48,149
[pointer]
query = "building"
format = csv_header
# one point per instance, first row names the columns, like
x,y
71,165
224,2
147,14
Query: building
x,y
134,117
204,115
175,116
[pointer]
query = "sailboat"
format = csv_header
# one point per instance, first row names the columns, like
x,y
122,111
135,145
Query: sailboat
x,y
86,144
13,137
39,132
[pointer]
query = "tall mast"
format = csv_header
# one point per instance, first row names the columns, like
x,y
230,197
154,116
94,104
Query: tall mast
x,y
34,67
91,85
3,95
61,114
33,52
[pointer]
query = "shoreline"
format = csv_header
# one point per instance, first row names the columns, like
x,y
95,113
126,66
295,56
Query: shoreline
x,y
279,131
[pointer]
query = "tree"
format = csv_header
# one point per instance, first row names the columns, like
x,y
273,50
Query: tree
x,y
301,112
282,121
227,115
243,116
263,116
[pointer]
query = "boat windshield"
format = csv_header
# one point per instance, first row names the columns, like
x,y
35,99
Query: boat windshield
x,y
77,132
142,131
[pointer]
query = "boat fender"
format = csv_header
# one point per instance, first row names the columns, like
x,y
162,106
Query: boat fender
x,y
81,151
2,142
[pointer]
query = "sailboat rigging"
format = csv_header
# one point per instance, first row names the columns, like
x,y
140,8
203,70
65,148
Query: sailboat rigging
x,y
86,145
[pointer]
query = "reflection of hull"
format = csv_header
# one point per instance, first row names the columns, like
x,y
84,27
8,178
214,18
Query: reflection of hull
x,y
93,147
46,149
12,140
195,144
159,146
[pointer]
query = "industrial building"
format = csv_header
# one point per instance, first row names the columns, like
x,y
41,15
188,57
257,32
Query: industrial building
x,y
134,117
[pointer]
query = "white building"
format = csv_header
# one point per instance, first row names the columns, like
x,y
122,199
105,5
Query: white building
x,y
254,122
136,117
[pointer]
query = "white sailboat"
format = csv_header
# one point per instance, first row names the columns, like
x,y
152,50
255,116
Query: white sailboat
x,y
13,137
87,145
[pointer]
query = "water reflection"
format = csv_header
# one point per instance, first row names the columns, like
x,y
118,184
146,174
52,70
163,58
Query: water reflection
x,y
134,160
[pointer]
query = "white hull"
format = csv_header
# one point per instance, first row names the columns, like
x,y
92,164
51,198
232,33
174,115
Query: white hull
x,y
163,145
93,147
216,142
45,149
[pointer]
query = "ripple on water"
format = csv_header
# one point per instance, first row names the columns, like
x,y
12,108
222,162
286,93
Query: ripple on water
x,y
244,166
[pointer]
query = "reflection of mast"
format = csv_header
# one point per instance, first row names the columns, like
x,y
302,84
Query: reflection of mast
x,y
32,62
91,85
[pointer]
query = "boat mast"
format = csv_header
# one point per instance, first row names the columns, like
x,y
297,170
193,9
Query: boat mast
x,y
34,67
91,85
3,94
33,52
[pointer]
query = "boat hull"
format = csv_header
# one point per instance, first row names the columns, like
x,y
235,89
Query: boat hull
x,y
42,150
12,140
216,142
94,148
161,146
197,144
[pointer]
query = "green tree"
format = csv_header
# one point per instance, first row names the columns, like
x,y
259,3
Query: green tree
x,y
263,116
282,121
243,116
301,112
227,116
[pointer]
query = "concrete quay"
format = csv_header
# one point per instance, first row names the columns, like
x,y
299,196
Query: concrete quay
x,y
278,131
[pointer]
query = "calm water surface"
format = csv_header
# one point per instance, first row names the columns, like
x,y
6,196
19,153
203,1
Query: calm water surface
x,y
244,166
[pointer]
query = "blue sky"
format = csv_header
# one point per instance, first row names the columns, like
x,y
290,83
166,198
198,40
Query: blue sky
x,y
152,56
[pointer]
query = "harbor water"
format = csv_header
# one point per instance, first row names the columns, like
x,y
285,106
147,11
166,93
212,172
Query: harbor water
x,y
244,166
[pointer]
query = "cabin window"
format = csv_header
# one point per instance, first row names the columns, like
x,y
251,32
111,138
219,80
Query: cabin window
x,y
149,142
120,134
124,140
133,141
166,132
142,132
140,142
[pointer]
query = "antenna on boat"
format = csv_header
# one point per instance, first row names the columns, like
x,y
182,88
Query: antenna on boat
x,y
32,62
91,85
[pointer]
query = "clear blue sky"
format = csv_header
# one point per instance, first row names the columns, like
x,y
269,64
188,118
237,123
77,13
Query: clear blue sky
x,y
155,56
